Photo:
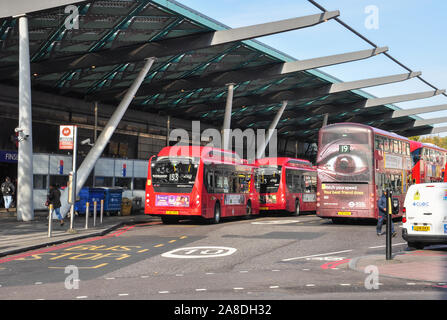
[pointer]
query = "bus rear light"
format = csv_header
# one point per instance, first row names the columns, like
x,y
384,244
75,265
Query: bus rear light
x,y
318,198
318,193
404,216
318,204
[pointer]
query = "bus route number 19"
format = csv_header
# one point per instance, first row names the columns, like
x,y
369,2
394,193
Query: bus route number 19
x,y
344,148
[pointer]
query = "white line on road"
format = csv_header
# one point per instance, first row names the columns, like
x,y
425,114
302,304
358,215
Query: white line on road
x,y
238,288
383,246
163,291
317,255
123,294
203,289
81,297
310,285
274,287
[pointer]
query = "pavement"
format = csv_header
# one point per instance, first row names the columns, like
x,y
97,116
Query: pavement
x,y
19,236
428,265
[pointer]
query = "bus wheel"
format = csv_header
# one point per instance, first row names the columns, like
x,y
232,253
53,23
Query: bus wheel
x,y
297,208
216,218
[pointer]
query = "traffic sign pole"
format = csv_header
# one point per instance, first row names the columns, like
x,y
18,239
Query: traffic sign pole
x,y
73,182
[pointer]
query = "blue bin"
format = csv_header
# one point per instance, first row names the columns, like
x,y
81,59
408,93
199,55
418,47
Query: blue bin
x,y
89,195
112,199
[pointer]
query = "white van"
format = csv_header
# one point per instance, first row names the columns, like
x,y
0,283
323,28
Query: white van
x,y
425,215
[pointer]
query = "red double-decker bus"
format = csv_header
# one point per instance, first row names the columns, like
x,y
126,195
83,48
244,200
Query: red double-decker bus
x,y
429,162
187,182
287,184
355,163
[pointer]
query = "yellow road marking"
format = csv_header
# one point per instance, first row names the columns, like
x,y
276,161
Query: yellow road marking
x,y
172,241
144,250
159,245
94,267
183,237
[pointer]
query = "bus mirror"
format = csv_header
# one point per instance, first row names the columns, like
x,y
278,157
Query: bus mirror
x,y
395,206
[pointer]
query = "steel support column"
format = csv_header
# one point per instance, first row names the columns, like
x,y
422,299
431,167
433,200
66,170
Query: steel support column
x,y
227,118
25,206
272,128
94,154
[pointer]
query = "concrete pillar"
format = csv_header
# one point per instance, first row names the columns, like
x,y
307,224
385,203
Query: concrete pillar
x,y
25,206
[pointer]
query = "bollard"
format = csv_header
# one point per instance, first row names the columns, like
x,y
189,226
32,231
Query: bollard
x,y
86,214
50,220
102,211
94,213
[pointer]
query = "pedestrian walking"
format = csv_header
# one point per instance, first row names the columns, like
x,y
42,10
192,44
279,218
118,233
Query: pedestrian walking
x,y
383,214
54,198
8,190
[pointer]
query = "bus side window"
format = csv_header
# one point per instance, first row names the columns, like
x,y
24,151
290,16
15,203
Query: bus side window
x,y
210,181
219,180
289,180
226,185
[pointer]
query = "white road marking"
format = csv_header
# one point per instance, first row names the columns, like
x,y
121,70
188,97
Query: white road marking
x,y
203,289
110,278
123,294
274,287
345,284
81,297
310,285
210,273
163,291
317,255
144,277
276,222
38,283
383,246
238,288
243,271
179,275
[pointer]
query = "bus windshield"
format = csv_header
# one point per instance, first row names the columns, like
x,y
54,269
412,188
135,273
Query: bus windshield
x,y
345,155
177,172
270,177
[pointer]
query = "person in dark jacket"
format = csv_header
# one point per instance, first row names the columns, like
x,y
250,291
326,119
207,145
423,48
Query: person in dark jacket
x,y
383,214
8,190
54,198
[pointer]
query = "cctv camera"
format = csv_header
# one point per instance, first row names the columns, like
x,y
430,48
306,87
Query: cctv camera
x,y
86,141
18,130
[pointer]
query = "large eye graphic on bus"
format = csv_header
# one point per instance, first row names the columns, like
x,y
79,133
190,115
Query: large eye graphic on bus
x,y
347,164
343,160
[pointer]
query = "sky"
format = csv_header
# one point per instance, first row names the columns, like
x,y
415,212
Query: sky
x,y
414,31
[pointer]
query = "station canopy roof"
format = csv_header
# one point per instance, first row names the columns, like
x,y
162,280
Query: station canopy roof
x,y
99,61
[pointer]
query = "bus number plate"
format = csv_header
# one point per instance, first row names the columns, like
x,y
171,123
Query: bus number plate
x,y
344,213
263,208
421,228
171,212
